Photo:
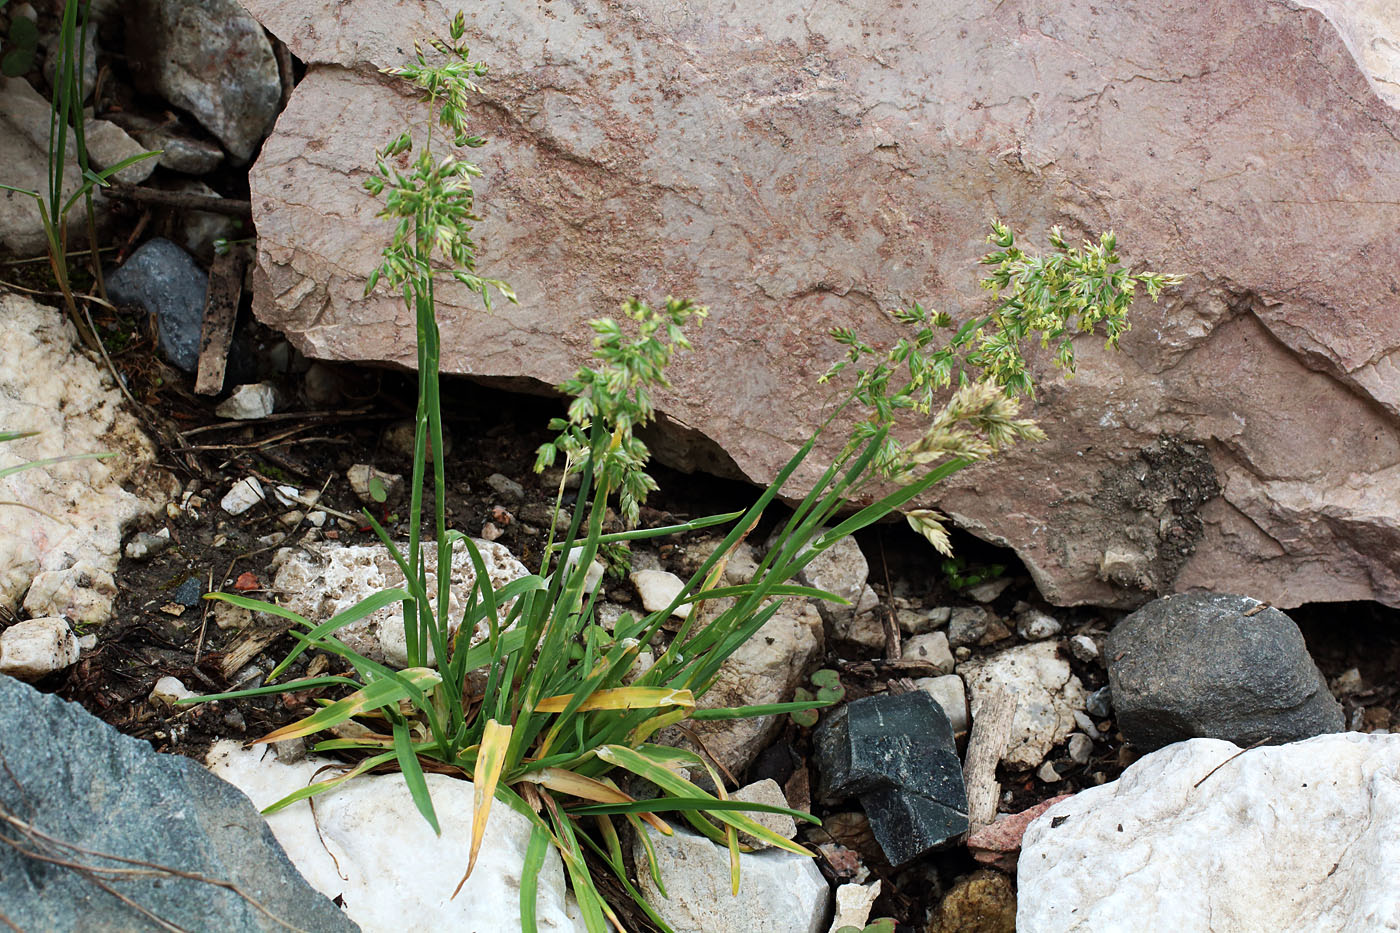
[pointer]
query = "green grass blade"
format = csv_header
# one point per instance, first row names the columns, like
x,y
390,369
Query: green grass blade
x,y
373,696
535,854
50,461
303,684
761,709
413,775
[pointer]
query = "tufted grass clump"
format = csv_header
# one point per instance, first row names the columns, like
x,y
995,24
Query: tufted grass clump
x,y
552,714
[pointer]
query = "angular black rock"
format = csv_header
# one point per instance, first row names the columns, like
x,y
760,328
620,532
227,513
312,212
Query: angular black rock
x,y
907,825
1203,665
896,753
163,279
73,778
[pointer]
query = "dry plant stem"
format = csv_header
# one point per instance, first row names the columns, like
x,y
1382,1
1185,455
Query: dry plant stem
x,y
1267,738
206,203
985,745
50,850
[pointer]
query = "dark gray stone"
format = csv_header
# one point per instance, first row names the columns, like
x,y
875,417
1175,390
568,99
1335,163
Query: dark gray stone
x,y
907,825
1215,666
189,593
163,279
72,777
896,753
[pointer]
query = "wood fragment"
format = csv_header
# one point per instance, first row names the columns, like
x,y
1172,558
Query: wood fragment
x,y
905,667
246,648
220,312
991,730
183,200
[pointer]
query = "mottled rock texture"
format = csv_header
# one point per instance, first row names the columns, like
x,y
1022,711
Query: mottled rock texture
x,y
797,166
1200,837
63,523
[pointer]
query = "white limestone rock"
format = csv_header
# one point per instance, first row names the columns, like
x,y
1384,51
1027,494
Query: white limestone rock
x,y
368,845
932,648
82,593
1047,696
170,690
320,580
779,892
242,496
765,791
657,588
951,694
1291,839
247,402
58,516
853,903
36,647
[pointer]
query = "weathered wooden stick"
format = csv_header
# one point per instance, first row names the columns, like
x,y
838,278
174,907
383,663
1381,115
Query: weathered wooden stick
x,y
991,730
220,313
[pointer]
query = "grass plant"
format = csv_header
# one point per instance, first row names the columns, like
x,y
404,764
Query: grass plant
x,y
551,712
66,122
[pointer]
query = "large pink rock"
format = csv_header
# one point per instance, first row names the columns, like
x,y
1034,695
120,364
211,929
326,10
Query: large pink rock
x,y
796,166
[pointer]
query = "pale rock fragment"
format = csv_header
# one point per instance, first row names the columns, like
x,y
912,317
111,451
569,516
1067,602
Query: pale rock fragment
x,y
36,647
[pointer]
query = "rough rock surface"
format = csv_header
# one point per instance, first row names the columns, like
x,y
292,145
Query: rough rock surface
x,y
779,892
321,580
1218,667
1244,440
367,844
1288,838
1047,696
165,280
24,145
896,752
71,776
59,516
765,669
35,647
210,59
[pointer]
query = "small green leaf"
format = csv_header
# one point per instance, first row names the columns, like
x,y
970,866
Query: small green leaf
x,y
377,492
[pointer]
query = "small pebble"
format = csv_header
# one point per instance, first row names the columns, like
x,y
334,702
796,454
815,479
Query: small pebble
x,y
1035,625
967,624
1349,681
658,588
365,480
1081,748
169,690
1100,703
1082,720
490,532
962,653
292,519
248,402
507,487
144,545
245,494
1084,648
317,518
989,591
35,647
932,648
189,592
1048,774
